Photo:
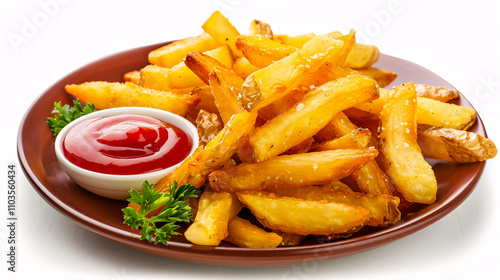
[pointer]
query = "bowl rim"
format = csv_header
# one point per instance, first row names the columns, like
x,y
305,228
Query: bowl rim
x,y
151,112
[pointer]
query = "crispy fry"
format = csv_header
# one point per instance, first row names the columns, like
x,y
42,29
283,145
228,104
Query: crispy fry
x,y
440,114
244,234
173,53
292,214
180,76
383,208
269,84
261,51
106,95
243,68
133,77
219,27
383,77
310,115
437,93
455,145
292,170
399,151
297,41
215,210
430,112
208,126
226,101
260,28
195,169
355,139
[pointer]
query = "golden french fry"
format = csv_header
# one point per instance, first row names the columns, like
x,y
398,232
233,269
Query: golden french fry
x,y
310,115
291,215
133,77
355,139
269,84
430,112
399,151
173,53
202,64
292,170
106,95
215,210
440,114
383,77
261,51
207,102
226,101
180,76
195,169
260,28
219,27
442,94
244,234
243,68
208,126
455,145
289,239
297,41
383,208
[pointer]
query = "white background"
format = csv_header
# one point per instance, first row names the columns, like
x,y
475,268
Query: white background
x,y
458,40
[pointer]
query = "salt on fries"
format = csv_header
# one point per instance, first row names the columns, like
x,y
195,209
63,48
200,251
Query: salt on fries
x,y
276,117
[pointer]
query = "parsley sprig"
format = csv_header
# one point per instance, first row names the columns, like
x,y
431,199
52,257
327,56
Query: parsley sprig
x,y
66,114
163,225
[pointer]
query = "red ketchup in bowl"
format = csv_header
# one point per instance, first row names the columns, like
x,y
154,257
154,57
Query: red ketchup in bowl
x,y
126,145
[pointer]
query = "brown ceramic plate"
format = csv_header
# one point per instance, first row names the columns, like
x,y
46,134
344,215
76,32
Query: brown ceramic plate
x,y
103,216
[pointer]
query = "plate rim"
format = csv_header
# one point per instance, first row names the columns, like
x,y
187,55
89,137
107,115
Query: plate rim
x,y
187,252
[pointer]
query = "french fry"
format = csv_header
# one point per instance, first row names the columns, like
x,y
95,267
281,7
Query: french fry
x,y
261,51
202,64
297,41
133,77
243,68
219,27
292,170
226,101
430,112
383,208
207,102
355,139
260,28
106,95
180,76
269,84
208,126
244,234
195,169
174,53
289,239
440,114
215,210
455,145
310,115
437,93
399,151
383,77
290,214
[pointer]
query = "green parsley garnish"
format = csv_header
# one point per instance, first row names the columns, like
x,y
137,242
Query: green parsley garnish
x,y
66,114
163,225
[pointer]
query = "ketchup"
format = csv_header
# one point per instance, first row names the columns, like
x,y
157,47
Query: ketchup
x,y
126,145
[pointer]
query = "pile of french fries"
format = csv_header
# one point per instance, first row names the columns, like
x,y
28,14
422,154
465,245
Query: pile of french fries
x,y
297,129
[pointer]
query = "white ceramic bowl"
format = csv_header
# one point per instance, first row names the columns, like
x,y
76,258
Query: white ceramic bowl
x,y
117,186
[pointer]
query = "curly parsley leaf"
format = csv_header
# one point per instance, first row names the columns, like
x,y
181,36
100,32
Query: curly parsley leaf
x,y
175,209
66,114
